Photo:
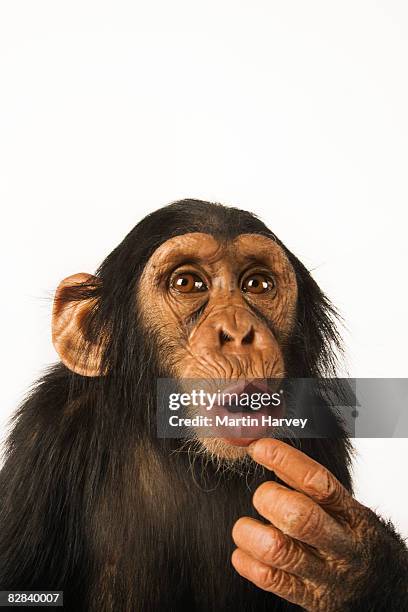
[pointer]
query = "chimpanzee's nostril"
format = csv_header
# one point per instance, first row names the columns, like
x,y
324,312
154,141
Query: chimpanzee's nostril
x,y
224,337
237,338
249,337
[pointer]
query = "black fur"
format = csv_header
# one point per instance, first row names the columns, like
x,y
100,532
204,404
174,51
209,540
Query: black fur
x,y
92,503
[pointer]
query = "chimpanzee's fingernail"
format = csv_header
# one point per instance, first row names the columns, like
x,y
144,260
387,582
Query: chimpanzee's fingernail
x,y
251,447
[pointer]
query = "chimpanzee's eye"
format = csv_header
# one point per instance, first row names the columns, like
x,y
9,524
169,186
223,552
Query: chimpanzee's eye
x,y
188,282
257,283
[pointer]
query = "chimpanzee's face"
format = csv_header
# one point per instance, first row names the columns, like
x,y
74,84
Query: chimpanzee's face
x,y
220,310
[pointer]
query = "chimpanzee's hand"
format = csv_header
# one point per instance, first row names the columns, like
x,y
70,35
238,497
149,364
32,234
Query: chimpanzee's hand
x,y
322,549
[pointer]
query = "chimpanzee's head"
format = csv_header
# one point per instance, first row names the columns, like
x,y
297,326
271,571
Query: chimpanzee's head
x,y
195,291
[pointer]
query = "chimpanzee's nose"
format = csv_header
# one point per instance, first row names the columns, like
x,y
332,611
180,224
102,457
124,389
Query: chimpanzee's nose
x,y
236,329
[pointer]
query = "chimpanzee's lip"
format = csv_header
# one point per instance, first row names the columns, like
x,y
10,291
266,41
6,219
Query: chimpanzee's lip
x,y
235,420
247,386
254,431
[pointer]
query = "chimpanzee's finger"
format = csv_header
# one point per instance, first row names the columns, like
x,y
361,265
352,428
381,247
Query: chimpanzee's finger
x,y
301,518
301,473
269,545
271,579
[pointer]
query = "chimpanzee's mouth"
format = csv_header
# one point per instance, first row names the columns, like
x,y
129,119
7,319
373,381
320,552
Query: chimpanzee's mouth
x,y
232,400
237,411
239,396
246,415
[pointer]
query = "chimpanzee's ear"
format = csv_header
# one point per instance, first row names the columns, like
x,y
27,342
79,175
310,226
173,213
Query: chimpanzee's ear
x,y
69,335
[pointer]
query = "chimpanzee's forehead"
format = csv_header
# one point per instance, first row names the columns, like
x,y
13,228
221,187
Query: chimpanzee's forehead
x,y
208,249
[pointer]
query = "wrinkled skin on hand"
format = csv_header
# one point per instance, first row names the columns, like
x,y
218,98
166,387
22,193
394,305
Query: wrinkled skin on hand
x,y
320,548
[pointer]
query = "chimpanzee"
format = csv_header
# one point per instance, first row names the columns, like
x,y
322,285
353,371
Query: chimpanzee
x,y
94,503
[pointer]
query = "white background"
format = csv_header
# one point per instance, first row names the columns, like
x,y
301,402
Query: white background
x,y
294,110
